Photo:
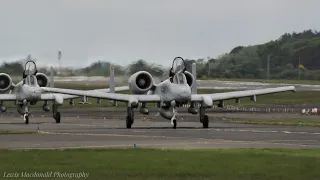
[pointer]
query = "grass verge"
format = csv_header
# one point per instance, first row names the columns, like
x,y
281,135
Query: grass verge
x,y
280,122
240,164
275,81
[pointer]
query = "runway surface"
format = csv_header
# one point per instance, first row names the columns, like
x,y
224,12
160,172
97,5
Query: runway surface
x,y
107,129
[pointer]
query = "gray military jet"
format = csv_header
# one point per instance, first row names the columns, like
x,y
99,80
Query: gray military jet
x,y
28,92
169,94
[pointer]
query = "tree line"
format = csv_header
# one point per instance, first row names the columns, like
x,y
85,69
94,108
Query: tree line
x,y
291,56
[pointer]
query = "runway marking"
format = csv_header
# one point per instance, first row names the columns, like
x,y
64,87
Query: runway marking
x,y
266,131
215,129
293,140
99,134
139,131
172,144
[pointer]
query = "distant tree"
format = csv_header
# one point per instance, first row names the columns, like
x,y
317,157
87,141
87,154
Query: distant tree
x,y
236,49
12,68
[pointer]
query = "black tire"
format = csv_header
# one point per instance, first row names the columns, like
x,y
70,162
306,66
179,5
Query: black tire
x,y
26,119
174,124
205,121
128,122
57,117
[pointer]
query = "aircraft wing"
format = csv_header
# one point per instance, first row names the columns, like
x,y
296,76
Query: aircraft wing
x,y
103,95
240,94
107,90
8,97
157,98
52,96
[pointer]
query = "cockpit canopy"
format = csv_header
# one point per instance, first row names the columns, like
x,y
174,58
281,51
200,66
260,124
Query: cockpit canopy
x,y
30,68
178,65
179,78
30,80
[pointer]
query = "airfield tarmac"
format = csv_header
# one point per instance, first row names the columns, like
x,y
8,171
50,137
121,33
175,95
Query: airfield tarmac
x,y
106,128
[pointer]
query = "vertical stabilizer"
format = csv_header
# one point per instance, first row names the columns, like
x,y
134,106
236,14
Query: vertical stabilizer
x,y
51,77
111,80
194,73
112,84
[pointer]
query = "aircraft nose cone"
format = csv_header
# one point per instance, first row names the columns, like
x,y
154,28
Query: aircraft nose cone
x,y
35,93
184,96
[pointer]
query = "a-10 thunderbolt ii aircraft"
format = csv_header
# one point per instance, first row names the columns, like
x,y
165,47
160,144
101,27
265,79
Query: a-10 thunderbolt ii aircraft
x,y
28,92
169,94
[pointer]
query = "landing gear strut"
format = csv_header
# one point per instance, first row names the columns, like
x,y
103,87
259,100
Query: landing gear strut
x,y
204,119
56,113
130,117
174,123
26,118
26,114
173,119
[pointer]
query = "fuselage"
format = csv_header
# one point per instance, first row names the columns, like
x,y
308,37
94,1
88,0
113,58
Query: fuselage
x,y
28,90
169,92
171,95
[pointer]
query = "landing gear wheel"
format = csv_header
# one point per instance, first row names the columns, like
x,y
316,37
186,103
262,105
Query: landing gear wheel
x,y
26,118
129,122
205,121
174,124
57,117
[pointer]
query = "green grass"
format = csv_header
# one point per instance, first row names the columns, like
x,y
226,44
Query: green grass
x,y
16,132
280,122
285,81
228,164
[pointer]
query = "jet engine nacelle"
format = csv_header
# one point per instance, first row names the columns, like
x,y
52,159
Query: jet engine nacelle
x,y
5,82
42,79
190,78
141,82
3,108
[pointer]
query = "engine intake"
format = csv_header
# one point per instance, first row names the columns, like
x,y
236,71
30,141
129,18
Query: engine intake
x,y
42,80
5,82
141,82
190,78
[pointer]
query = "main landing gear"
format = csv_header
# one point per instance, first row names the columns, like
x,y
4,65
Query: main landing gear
x,y
23,109
173,119
130,117
26,118
56,113
174,123
204,119
26,113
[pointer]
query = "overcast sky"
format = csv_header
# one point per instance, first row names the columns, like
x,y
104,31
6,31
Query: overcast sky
x,y
121,31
